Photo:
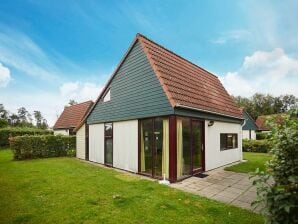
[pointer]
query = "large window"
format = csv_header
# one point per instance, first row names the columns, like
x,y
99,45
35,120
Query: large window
x,y
228,141
109,144
189,146
154,147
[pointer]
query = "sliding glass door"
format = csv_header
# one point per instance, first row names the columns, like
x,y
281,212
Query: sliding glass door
x,y
189,146
154,147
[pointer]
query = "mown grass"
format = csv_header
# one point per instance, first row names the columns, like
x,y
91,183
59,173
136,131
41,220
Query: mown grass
x,y
254,161
65,190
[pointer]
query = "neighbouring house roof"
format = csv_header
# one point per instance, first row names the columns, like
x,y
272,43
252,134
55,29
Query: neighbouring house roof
x,y
261,121
73,115
249,121
185,84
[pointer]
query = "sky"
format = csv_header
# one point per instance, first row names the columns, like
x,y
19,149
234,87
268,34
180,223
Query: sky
x,y
54,51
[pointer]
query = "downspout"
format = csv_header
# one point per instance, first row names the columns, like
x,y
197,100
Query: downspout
x,y
241,152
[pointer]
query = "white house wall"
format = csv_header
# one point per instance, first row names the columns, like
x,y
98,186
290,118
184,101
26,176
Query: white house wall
x,y
96,143
245,134
61,132
213,156
81,138
125,145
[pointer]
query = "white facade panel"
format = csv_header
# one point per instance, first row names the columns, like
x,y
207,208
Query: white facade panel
x,y
81,138
96,143
125,145
61,132
245,134
214,157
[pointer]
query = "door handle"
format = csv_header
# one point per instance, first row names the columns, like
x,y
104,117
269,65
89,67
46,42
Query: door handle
x,y
202,148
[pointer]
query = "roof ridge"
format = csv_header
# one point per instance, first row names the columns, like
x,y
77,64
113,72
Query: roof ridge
x,y
143,36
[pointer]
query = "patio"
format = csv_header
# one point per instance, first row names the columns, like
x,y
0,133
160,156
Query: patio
x,y
225,186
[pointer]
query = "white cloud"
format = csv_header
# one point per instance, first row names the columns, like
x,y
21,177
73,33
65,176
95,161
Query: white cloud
x,y
80,91
232,36
4,75
271,72
51,105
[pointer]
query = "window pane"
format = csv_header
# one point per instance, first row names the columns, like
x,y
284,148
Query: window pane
x,y
183,147
108,130
186,146
109,151
146,146
223,145
228,141
197,144
107,97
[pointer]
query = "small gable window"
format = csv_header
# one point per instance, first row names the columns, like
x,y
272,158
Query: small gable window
x,y
107,97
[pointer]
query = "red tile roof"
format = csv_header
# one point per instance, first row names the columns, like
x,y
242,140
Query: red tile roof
x,y
186,84
73,115
261,121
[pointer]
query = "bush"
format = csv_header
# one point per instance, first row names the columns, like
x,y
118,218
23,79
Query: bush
x,y
42,146
277,188
256,145
5,133
262,135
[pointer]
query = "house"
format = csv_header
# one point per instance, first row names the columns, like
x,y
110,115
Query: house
x,y
161,115
71,118
262,122
249,126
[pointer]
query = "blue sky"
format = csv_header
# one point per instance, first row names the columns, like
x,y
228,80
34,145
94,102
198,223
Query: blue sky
x,y
53,51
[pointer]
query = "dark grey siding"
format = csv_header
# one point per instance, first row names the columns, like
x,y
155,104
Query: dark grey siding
x,y
207,116
250,123
135,92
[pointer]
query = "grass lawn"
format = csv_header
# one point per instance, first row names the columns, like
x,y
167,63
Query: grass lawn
x,y
65,190
254,161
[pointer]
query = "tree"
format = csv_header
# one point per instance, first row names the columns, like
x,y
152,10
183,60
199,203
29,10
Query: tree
x,y
277,187
288,101
3,123
260,104
13,120
44,124
72,102
3,112
22,114
38,118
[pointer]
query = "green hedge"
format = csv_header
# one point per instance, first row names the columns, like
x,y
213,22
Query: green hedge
x,y
262,135
256,145
5,133
43,146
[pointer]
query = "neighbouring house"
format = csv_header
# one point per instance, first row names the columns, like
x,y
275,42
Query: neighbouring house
x,y
262,122
71,117
160,114
249,126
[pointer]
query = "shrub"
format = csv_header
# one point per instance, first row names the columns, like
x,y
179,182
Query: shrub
x,y
277,187
256,145
5,133
262,135
42,146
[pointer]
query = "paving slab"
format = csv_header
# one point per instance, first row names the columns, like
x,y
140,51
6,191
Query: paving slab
x,y
225,186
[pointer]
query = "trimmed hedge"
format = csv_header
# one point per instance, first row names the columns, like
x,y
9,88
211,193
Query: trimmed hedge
x,y
256,145
5,133
43,146
262,135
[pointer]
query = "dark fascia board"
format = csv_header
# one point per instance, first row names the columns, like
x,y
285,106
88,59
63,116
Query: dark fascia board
x,y
204,115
